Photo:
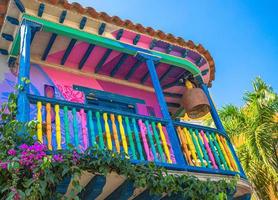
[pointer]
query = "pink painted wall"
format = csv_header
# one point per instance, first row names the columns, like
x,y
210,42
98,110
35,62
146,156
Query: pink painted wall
x,y
41,75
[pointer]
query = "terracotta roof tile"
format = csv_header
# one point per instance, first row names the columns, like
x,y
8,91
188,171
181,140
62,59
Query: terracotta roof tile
x,y
89,11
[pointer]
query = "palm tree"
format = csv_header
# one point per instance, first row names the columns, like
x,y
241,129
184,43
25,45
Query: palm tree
x,y
253,130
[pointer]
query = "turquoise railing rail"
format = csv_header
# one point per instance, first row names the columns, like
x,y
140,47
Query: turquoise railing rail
x,y
144,138
62,123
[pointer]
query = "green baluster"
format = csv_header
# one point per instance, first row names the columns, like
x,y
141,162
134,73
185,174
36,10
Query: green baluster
x,y
130,138
196,147
151,140
202,147
66,123
158,143
137,138
219,151
92,128
213,150
75,128
100,133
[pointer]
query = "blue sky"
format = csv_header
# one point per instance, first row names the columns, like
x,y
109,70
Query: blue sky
x,y
242,36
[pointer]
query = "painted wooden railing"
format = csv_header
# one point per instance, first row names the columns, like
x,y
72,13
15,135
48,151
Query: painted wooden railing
x,y
206,147
62,123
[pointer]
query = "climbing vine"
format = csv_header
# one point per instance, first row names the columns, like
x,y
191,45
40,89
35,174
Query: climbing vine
x,y
29,171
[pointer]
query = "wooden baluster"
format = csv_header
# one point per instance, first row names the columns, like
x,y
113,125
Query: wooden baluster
x,y
212,147
208,150
143,131
158,142
151,140
191,146
58,127
137,138
107,130
115,133
92,128
84,128
196,147
122,132
130,139
232,161
66,124
203,148
48,126
219,151
39,125
184,145
164,143
223,151
100,133
75,128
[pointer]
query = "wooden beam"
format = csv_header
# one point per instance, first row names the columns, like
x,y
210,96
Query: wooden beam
x,y
119,64
19,5
12,20
101,28
124,191
153,44
41,9
61,68
146,195
173,95
49,46
133,69
83,23
136,39
165,75
86,56
173,105
94,188
63,16
119,34
68,50
102,60
7,37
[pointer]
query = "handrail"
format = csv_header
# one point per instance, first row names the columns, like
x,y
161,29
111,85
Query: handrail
x,y
34,98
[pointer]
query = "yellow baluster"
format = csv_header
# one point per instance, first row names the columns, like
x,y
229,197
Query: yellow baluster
x,y
223,151
164,143
107,130
48,126
115,133
184,145
39,125
229,153
122,132
58,127
191,146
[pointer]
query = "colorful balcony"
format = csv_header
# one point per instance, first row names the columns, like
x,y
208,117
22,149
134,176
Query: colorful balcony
x,y
96,83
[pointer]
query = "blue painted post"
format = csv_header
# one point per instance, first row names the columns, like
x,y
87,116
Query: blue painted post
x,y
218,123
23,108
213,110
163,106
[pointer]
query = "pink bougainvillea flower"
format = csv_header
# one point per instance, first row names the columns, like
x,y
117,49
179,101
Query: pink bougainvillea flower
x,y
12,152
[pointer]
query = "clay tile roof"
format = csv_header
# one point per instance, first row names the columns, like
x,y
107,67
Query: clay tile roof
x,y
91,12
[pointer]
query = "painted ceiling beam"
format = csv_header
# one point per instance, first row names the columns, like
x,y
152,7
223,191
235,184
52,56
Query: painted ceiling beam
x,y
184,53
41,9
133,69
153,43
119,64
146,195
86,56
83,23
103,59
177,82
12,20
63,16
199,61
146,75
4,52
169,48
67,31
136,39
205,72
173,105
7,37
101,28
49,46
124,191
68,50
19,5
165,75
173,95
94,188
119,34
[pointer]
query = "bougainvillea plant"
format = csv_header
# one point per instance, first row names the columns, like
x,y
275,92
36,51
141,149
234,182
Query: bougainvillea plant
x,y
29,171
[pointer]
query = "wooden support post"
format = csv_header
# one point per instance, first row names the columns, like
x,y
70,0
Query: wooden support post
x,y
163,106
